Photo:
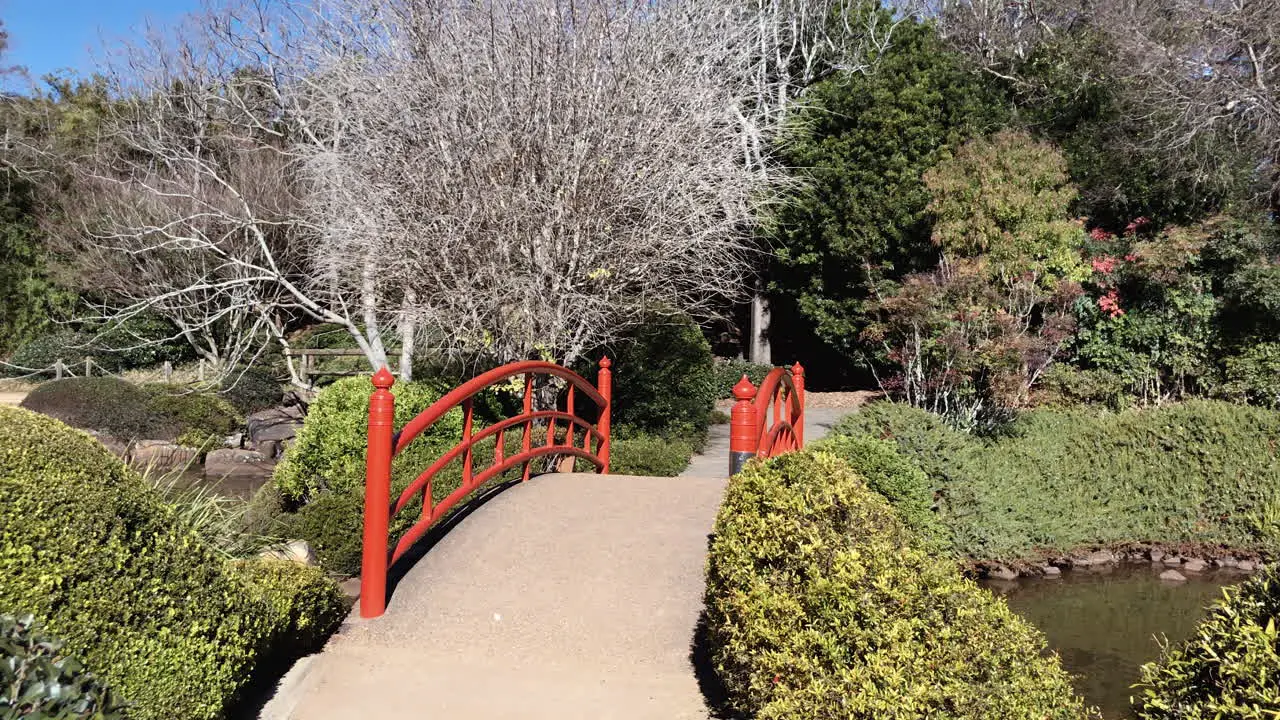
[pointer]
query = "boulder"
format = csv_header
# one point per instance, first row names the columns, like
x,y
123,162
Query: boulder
x,y
1156,555
271,430
1051,571
1097,557
297,551
162,455
1247,565
1000,572
1194,565
1172,576
1172,559
1226,562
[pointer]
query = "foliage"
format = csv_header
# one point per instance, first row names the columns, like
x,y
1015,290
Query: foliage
x,y
897,478
1231,665
329,451
125,410
43,350
221,522
31,299
1254,375
1067,385
664,378
251,389
729,372
140,341
1060,480
857,220
98,558
304,606
632,452
333,524
39,680
820,603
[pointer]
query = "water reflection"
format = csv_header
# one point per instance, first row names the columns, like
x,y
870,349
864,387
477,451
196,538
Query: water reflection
x,y
1104,622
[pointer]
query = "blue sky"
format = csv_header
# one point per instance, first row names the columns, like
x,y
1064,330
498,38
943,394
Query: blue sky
x,y
48,35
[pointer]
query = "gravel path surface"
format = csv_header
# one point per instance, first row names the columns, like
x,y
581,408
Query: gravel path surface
x,y
12,398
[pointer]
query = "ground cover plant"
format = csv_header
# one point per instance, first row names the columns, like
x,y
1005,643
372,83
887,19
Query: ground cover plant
x,y
822,603
1056,480
38,679
105,564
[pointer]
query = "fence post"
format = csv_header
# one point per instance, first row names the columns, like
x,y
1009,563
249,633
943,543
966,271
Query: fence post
x,y
377,496
744,436
88,366
797,377
57,369
604,383
168,372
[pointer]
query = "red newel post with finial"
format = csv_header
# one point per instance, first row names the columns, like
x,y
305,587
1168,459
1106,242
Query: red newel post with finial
x,y
377,496
797,377
744,436
604,383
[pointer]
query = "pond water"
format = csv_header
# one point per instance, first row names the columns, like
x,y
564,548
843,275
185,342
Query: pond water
x,y
1104,622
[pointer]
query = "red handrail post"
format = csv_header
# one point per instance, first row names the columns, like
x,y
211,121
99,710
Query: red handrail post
x,y
797,378
377,496
604,383
744,435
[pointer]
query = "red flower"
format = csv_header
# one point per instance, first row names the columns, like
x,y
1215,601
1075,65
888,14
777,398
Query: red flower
x,y
1100,235
1110,304
1104,264
1137,224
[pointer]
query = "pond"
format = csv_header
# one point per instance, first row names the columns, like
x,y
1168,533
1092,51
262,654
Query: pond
x,y
1104,622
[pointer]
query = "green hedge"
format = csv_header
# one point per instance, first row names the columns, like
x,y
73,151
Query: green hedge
x,y
305,606
1230,668
821,604
125,410
98,558
729,372
1055,480
329,451
632,452
39,680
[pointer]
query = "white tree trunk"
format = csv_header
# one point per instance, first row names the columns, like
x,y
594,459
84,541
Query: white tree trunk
x,y
408,326
758,346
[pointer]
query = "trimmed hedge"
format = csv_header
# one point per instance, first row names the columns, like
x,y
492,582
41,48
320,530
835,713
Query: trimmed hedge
x,y
635,453
305,606
105,564
125,410
39,680
1230,668
1054,480
821,604
329,451
729,372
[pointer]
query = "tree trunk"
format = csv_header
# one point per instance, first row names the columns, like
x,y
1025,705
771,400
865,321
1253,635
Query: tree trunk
x,y
758,349
408,326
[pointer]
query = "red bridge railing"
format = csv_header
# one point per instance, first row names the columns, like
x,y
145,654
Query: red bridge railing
x,y
769,420
385,443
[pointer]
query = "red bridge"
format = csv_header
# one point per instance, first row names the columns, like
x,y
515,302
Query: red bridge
x,y
565,595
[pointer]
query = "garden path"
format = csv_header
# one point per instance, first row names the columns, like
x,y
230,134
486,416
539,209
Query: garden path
x,y
571,595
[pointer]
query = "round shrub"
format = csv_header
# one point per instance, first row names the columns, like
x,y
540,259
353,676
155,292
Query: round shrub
x,y
821,604
39,680
664,379
199,417
329,450
635,453
116,407
304,605
898,479
99,559
141,341
332,523
1230,668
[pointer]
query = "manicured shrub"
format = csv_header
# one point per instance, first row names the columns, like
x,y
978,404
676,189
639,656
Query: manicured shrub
x,y
1057,480
39,680
251,389
729,372
125,410
664,378
329,451
139,342
1254,375
114,406
1230,668
43,351
332,523
305,606
898,479
822,604
635,453
99,559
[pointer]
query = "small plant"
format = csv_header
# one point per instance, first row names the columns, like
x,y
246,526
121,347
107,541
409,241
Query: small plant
x,y
217,519
38,679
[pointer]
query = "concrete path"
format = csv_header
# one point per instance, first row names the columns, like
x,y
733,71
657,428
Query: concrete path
x,y
12,398
713,461
570,596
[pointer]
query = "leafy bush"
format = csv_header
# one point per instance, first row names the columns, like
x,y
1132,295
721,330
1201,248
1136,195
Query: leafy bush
x,y
305,606
98,558
1058,480
141,341
664,378
329,451
898,479
1230,668
125,410
251,389
218,520
44,350
636,453
729,372
1254,375
39,680
1064,385
107,565
820,603
332,523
